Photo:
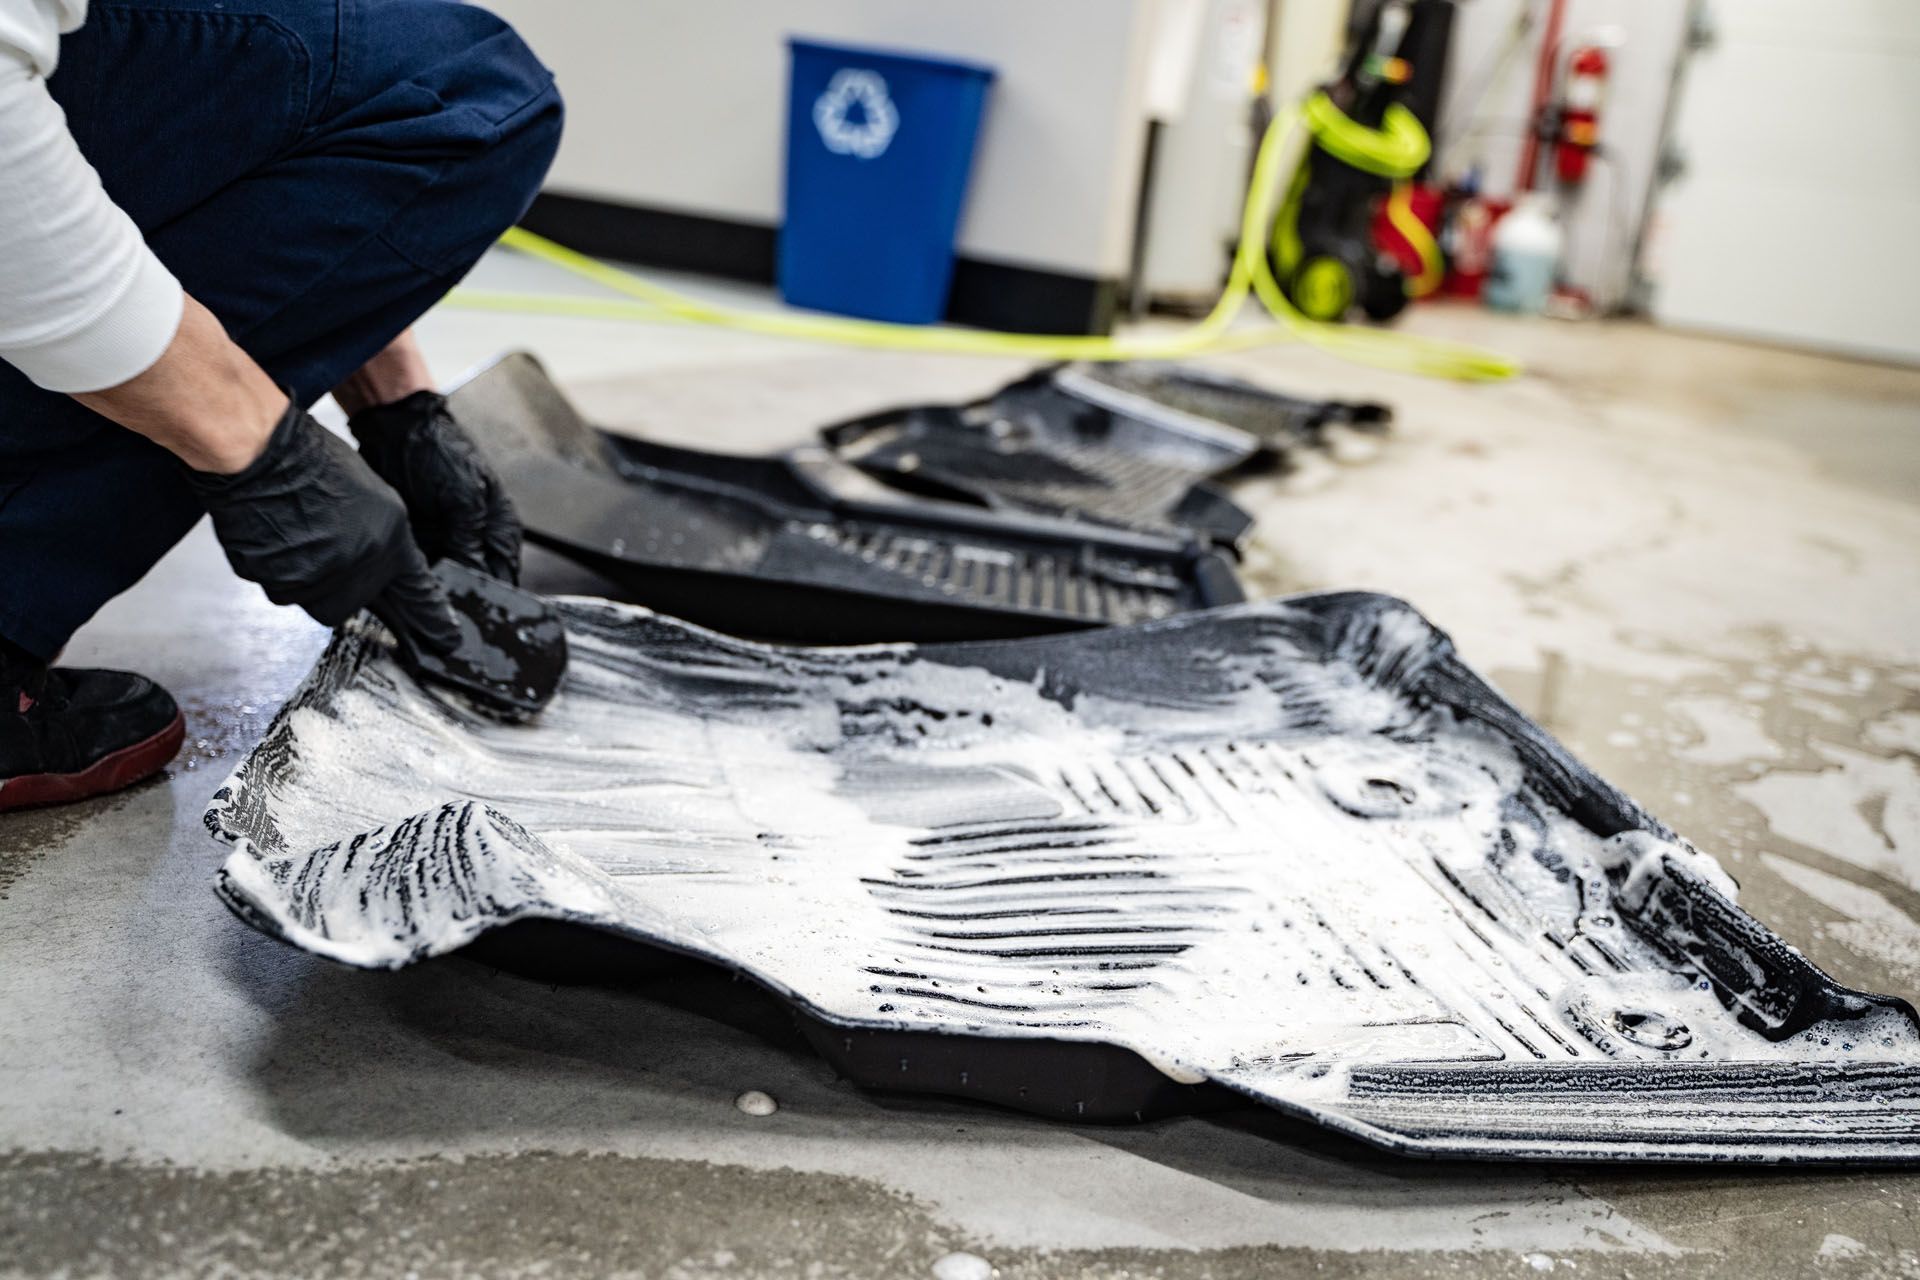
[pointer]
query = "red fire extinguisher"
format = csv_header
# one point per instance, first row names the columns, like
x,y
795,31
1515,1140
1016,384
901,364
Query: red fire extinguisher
x,y
1580,112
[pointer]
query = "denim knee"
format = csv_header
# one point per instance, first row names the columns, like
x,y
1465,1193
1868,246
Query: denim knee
x,y
530,138
496,125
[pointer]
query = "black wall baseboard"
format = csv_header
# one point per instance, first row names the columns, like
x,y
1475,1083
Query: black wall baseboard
x,y
993,295
655,237
990,295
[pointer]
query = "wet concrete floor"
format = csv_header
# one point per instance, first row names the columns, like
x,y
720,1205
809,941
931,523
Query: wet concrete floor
x,y
1695,561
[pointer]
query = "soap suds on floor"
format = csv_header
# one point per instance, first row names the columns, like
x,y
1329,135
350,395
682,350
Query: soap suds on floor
x,y
1873,926
1838,1248
1730,733
1896,731
1865,809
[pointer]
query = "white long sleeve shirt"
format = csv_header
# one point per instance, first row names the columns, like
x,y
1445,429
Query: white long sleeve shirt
x,y
84,303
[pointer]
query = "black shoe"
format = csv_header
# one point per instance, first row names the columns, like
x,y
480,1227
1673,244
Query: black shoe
x,y
67,733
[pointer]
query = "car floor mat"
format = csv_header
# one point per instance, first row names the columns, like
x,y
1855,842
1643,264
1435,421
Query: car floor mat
x,y
1284,424
804,547
1130,443
1036,446
1294,852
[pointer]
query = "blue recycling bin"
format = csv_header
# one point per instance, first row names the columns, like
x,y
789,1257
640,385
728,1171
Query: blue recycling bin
x,y
879,146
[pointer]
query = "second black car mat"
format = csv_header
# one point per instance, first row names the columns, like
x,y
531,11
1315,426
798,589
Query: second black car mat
x,y
801,547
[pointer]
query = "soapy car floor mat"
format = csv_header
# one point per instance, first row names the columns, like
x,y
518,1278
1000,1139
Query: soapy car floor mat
x,y
1283,424
804,547
1038,446
1294,850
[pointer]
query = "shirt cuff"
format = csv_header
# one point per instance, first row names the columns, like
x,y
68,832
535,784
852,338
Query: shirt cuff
x,y
123,341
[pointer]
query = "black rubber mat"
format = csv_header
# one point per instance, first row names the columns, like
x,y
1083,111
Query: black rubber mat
x,y
1131,443
805,547
1282,423
1294,852
1037,446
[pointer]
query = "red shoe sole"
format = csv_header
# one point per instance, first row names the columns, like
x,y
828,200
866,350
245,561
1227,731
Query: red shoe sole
x,y
122,768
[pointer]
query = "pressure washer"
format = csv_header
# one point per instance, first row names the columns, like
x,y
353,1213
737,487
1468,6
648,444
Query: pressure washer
x,y
1365,145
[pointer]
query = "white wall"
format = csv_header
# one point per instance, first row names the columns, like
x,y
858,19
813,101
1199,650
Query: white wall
x,y
1304,38
1797,216
681,105
1205,151
1601,223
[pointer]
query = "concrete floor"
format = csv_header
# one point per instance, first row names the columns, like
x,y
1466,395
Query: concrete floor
x,y
1694,561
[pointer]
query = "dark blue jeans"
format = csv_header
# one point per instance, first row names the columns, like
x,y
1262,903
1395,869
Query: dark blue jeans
x,y
317,173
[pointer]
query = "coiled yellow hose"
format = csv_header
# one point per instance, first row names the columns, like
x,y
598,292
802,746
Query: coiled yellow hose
x,y
1251,273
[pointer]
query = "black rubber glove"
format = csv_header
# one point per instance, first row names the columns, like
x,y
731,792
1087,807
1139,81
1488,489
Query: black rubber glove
x,y
458,509
310,521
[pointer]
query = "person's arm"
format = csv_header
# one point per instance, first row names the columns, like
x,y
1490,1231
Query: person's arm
x,y
203,400
86,308
84,303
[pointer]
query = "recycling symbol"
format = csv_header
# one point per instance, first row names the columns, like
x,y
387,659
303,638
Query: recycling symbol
x,y
855,115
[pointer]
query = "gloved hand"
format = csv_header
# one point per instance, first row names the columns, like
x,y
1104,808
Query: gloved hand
x,y
458,509
310,521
